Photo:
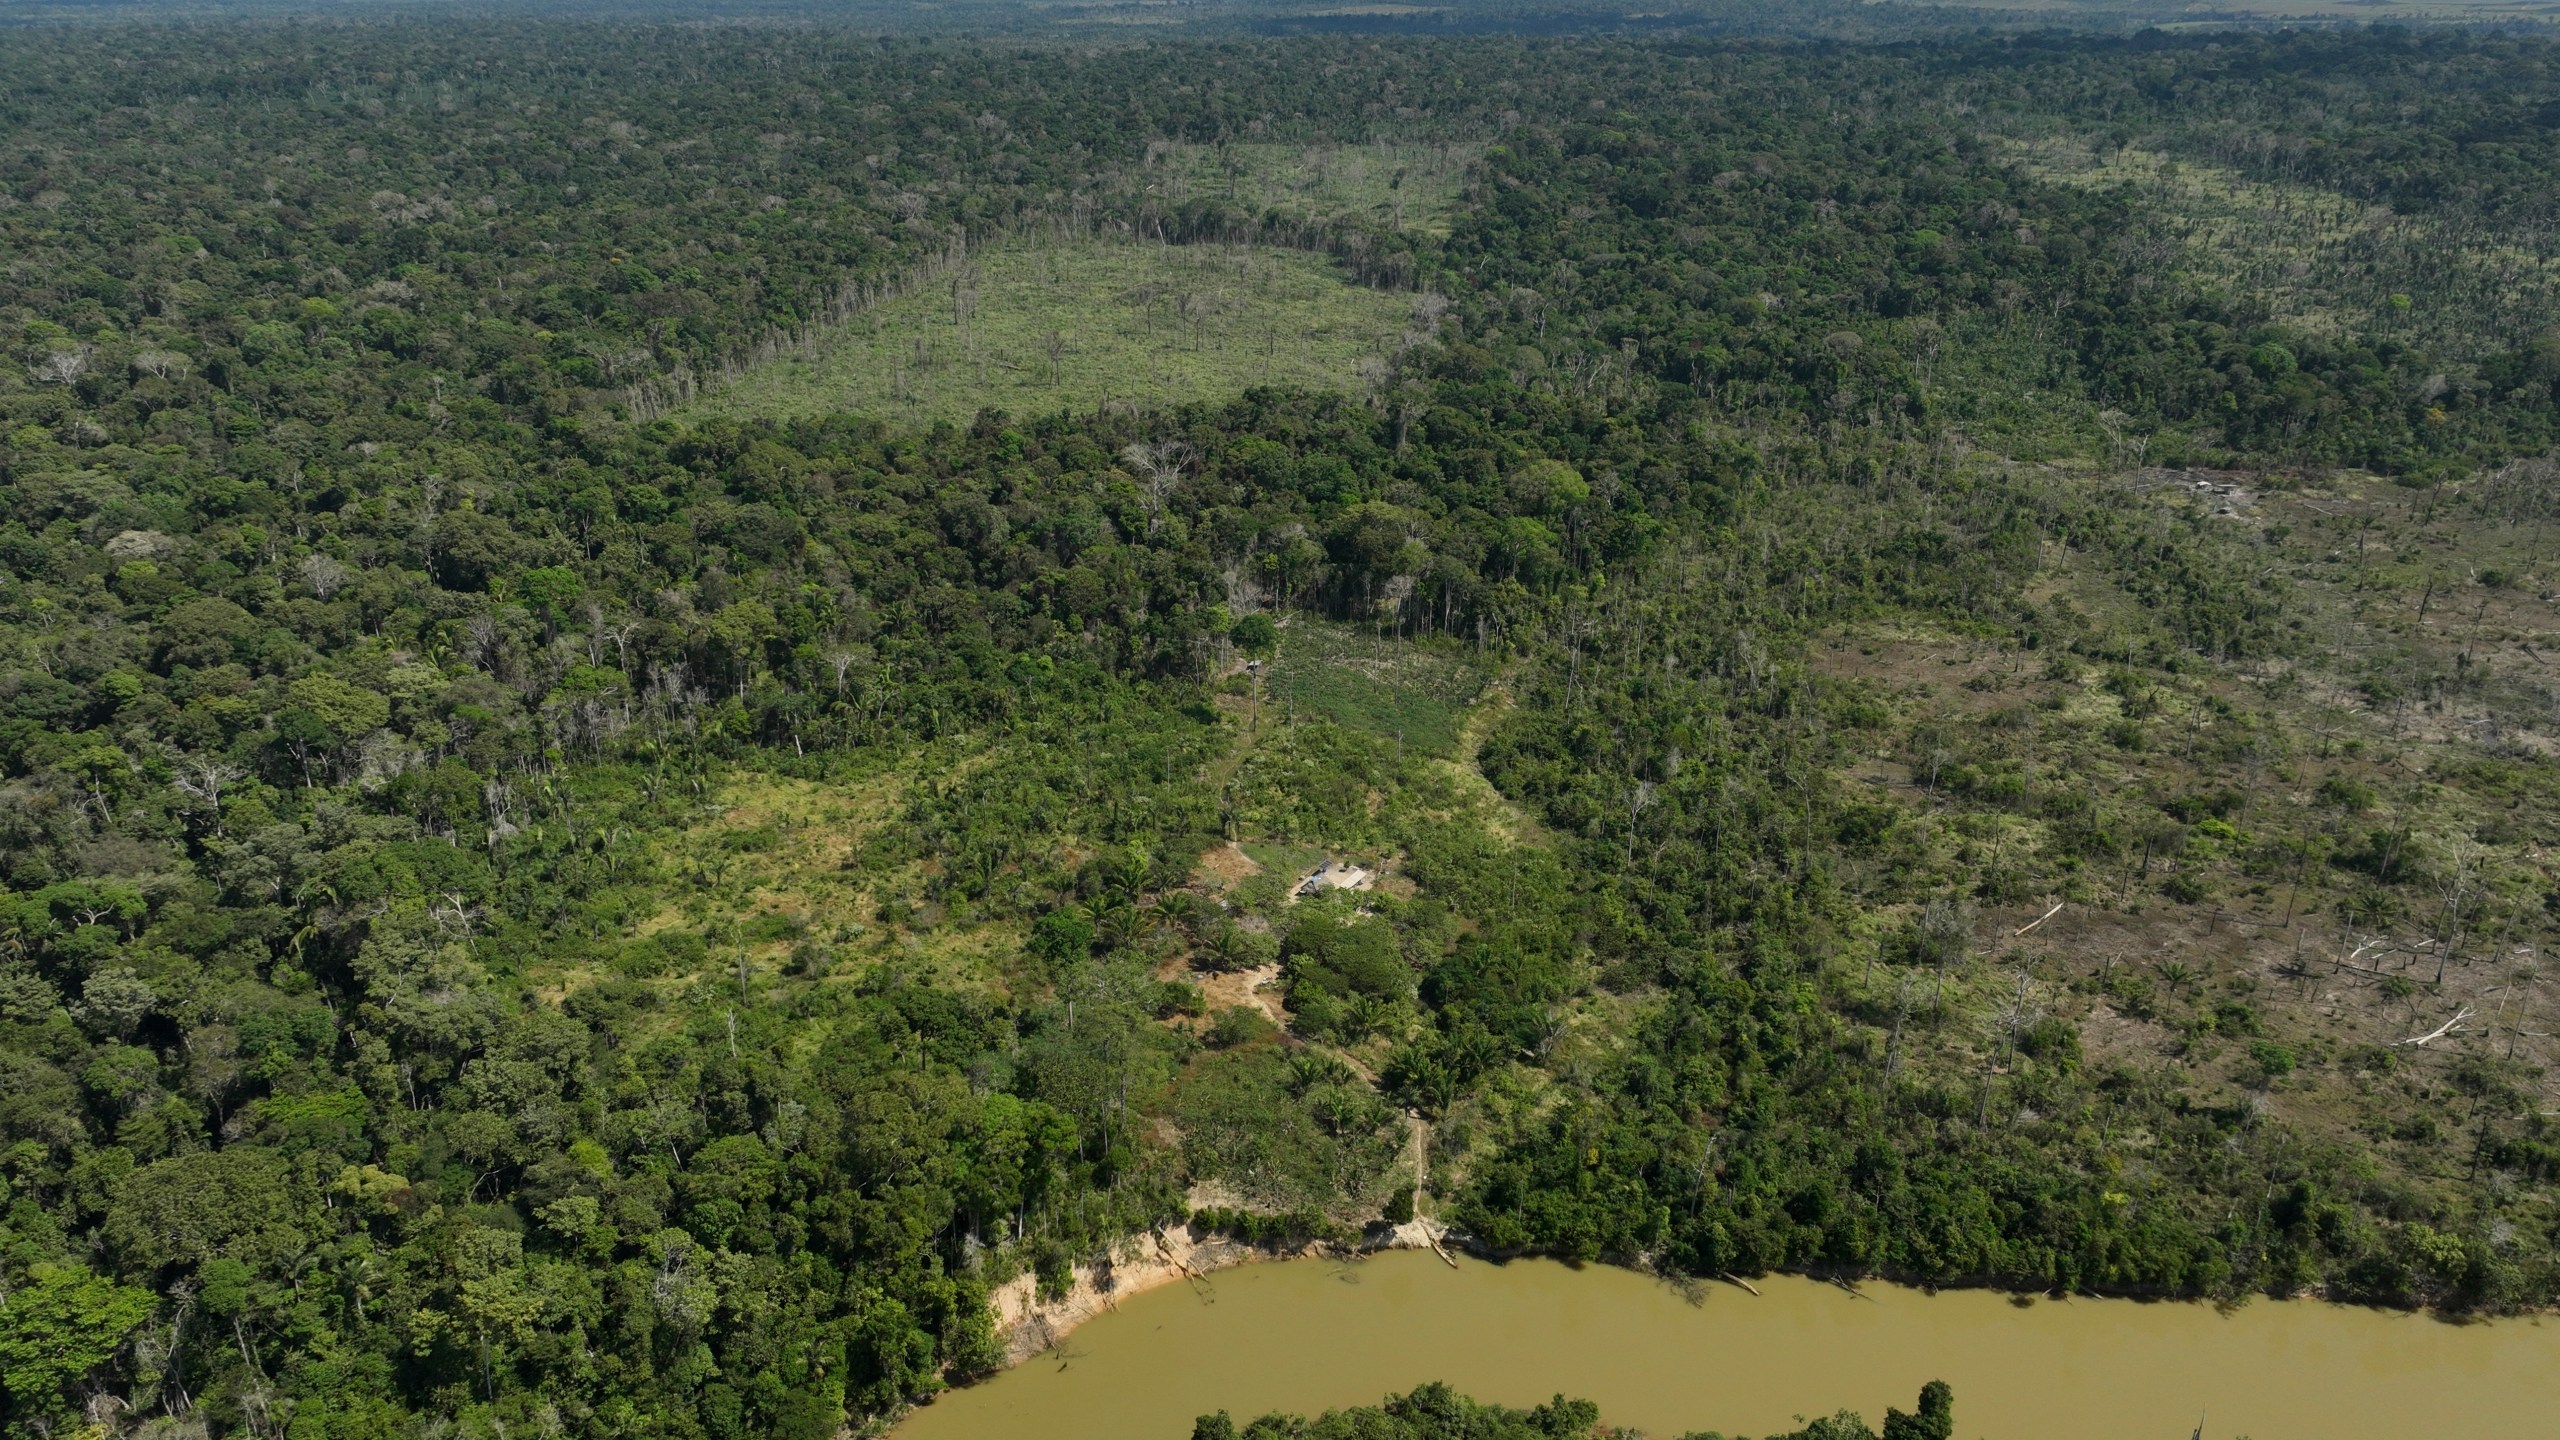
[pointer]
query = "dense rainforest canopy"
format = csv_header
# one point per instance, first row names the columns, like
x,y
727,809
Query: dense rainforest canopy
x,y
527,907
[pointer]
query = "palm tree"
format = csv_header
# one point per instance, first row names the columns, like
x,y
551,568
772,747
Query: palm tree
x,y
1313,1069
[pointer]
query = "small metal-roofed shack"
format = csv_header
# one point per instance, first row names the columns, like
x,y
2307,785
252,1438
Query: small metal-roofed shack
x,y
1336,875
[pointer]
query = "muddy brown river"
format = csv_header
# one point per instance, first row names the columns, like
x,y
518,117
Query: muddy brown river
x,y
1309,1335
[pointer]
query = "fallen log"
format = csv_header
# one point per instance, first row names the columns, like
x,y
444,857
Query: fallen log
x,y
2030,925
1451,1260
2440,1031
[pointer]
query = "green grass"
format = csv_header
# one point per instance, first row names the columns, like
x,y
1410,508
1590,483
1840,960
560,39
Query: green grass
x,y
1387,688
1078,326
1392,185
1276,857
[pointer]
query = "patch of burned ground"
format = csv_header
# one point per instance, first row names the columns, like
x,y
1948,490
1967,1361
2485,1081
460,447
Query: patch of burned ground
x,y
2404,672
2108,1035
2430,613
2211,997
1921,666
1882,776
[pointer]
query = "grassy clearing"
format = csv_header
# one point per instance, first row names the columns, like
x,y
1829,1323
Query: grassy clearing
x,y
771,876
1385,688
760,874
1078,326
1388,184
1504,819
1290,862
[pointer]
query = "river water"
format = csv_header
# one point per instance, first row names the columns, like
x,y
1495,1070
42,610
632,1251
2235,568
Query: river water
x,y
1309,1335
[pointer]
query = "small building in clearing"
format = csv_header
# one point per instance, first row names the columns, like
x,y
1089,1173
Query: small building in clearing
x,y
1335,875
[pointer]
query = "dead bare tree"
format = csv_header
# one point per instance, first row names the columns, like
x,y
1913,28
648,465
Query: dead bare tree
x,y
2520,990
1893,1043
61,367
324,574
2457,859
161,364
430,505
1159,467
1944,928
842,662
203,778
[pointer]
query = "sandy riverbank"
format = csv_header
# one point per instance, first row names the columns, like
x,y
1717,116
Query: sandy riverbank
x,y
1029,1326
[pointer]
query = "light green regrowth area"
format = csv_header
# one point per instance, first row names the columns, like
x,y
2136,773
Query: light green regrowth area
x,y
1396,691
1384,184
1078,326
2320,260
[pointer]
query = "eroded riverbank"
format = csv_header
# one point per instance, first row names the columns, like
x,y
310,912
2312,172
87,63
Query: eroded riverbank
x,y
1307,1334
1031,1325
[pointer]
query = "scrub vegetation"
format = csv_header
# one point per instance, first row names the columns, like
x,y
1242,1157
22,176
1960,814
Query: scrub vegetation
x,y
1837,695
2452,283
